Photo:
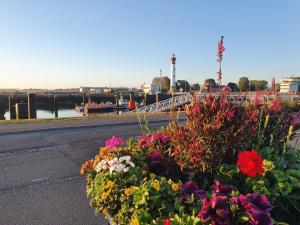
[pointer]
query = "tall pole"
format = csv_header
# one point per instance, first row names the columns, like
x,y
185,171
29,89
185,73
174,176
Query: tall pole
x,y
173,74
221,49
160,74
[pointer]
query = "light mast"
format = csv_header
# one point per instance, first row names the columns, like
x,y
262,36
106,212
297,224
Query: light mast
x,y
173,74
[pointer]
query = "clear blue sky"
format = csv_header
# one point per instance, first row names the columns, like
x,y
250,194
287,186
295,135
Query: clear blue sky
x,y
69,43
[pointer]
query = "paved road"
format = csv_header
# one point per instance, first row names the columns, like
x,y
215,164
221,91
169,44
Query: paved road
x,y
39,174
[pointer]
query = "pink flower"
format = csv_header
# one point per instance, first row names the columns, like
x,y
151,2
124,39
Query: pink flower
x,y
114,142
155,138
230,114
226,89
275,105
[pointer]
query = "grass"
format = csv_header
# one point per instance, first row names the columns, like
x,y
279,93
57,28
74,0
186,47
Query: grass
x,y
104,116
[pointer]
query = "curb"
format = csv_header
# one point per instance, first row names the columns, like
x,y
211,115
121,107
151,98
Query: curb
x,y
82,127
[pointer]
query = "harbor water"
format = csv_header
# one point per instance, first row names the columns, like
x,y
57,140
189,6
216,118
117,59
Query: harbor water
x,y
45,114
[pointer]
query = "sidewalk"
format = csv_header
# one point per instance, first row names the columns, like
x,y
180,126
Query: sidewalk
x,y
78,123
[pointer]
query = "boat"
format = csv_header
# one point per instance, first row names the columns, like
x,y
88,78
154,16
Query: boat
x,y
95,108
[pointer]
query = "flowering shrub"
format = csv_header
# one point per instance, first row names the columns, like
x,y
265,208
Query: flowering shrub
x,y
200,172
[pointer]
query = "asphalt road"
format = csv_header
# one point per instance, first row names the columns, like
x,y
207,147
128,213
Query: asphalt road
x,y
39,174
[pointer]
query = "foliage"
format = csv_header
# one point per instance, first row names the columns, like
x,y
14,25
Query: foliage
x,y
165,83
195,87
183,85
228,164
258,85
210,81
233,86
243,84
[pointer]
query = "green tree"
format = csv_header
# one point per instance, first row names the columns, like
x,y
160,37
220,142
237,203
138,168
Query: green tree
x,y
210,81
165,83
233,86
195,87
243,84
258,85
183,85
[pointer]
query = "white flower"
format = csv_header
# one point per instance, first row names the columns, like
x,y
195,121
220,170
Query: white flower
x,y
115,165
131,164
101,165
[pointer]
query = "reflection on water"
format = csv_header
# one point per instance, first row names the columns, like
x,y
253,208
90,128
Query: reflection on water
x,y
44,114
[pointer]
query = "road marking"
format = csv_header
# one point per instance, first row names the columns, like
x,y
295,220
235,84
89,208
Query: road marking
x,y
39,179
31,150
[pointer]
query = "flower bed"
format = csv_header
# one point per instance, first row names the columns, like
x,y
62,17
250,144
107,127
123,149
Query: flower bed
x,y
228,164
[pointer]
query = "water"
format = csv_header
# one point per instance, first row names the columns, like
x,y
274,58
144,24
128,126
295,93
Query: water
x,y
44,114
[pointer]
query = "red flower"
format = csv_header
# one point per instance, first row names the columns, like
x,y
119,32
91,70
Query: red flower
x,y
250,163
167,222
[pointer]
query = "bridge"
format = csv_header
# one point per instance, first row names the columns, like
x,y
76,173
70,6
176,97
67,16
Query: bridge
x,y
183,99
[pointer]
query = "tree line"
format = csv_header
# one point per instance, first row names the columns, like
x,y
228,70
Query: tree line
x,y
244,84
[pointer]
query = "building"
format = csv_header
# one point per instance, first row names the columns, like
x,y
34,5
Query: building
x,y
150,89
91,89
290,85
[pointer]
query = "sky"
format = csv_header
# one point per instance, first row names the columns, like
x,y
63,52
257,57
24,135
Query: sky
x,y
71,43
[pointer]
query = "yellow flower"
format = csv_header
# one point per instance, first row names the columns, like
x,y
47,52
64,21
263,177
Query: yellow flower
x,y
128,191
104,196
109,184
135,221
170,181
152,175
175,187
103,152
266,121
268,165
156,185
105,212
120,215
96,160
290,131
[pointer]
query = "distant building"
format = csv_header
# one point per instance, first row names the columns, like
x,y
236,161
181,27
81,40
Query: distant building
x,y
150,88
105,90
290,85
146,88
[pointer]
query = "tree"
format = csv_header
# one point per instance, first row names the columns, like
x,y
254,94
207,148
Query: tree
x,y
243,84
183,85
210,81
165,83
233,86
195,87
258,85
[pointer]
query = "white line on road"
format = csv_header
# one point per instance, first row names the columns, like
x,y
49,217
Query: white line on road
x,y
39,179
20,151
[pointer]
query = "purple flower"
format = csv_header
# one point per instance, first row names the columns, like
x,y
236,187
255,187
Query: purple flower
x,y
215,211
221,189
190,188
156,155
257,206
114,142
